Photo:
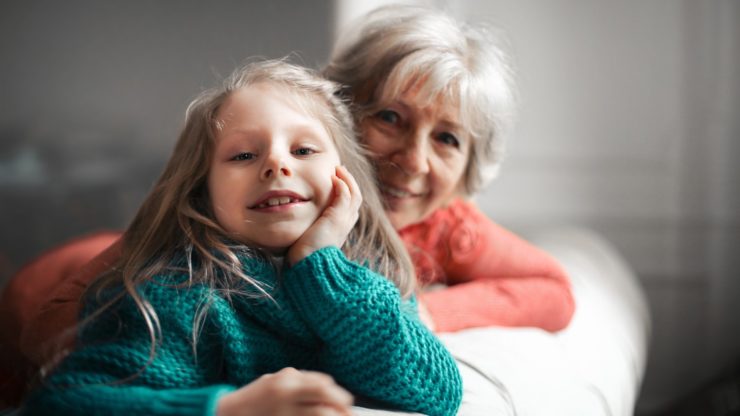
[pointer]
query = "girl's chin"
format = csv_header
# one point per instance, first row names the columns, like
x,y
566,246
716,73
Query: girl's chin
x,y
279,250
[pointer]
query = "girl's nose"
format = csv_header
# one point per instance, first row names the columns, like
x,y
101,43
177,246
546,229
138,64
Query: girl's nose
x,y
275,166
413,157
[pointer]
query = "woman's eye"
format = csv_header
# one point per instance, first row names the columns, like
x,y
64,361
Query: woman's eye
x,y
244,156
304,151
448,139
388,116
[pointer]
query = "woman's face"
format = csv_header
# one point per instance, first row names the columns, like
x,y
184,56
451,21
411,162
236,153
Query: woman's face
x,y
421,152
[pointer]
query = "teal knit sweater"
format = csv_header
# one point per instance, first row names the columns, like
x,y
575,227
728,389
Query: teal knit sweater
x,y
326,314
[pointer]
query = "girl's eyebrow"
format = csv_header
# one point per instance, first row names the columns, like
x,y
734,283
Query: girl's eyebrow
x,y
306,129
237,134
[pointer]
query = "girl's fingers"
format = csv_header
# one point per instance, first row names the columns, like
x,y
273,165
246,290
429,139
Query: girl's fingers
x,y
334,396
323,411
289,391
354,188
343,197
315,387
319,391
347,177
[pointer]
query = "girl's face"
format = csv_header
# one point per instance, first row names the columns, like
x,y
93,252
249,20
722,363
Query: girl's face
x,y
421,152
270,177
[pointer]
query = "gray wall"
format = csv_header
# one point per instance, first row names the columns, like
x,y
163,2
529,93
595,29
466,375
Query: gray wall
x,y
629,125
94,94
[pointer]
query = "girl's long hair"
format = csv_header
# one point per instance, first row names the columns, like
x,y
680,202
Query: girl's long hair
x,y
176,222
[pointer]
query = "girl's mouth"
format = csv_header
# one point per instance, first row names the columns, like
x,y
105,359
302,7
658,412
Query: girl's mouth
x,y
273,202
277,200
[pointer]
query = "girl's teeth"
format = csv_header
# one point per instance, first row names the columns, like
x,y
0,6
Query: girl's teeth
x,y
276,201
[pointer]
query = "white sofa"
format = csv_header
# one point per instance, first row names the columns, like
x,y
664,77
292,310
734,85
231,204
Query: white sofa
x,y
594,367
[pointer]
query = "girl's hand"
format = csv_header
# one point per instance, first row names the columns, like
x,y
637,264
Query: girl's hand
x,y
288,392
335,223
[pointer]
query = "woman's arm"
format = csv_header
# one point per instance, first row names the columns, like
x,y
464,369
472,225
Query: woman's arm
x,y
375,345
495,277
50,324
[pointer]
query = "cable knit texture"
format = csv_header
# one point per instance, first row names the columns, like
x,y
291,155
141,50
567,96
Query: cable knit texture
x,y
494,276
327,314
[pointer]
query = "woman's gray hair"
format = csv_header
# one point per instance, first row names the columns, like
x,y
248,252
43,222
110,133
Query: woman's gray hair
x,y
395,47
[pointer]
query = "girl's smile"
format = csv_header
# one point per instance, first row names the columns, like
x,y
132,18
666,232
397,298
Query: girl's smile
x,y
278,201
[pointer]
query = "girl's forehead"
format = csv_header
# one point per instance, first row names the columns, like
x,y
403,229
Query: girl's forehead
x,y
267,105
253,98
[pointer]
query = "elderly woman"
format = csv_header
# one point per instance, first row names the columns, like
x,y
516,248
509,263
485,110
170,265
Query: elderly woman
x,y
432,99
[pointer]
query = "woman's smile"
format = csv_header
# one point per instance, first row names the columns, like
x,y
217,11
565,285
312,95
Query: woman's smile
x,y
399,191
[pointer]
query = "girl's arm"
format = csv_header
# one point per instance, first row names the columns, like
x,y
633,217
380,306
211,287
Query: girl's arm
x,y
495,277
375,344
114,373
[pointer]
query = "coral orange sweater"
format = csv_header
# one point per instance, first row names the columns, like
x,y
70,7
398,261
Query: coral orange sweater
x,y
493,277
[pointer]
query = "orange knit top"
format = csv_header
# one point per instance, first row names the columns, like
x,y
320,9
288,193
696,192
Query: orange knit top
x,y
492,276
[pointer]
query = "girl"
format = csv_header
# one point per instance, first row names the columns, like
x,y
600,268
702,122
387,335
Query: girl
x,y
232,270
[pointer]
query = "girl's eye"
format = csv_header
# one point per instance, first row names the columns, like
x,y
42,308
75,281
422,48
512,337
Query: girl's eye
x,y
448,139
388,116
304,151
244,156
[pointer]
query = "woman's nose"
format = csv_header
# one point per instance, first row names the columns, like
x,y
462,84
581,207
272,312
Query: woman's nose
x,y
413,157
275,166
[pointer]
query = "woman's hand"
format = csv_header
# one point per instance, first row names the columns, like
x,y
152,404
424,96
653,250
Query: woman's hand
x,y
335,223
288,392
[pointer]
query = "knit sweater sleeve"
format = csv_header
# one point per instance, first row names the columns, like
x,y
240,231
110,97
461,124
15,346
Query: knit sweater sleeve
x,y
113,373
374,343
495,277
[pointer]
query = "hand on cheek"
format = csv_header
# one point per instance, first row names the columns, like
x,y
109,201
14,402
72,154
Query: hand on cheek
x,y
335,223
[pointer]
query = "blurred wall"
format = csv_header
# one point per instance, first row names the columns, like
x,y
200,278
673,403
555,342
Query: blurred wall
x,y
629,126
94,94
